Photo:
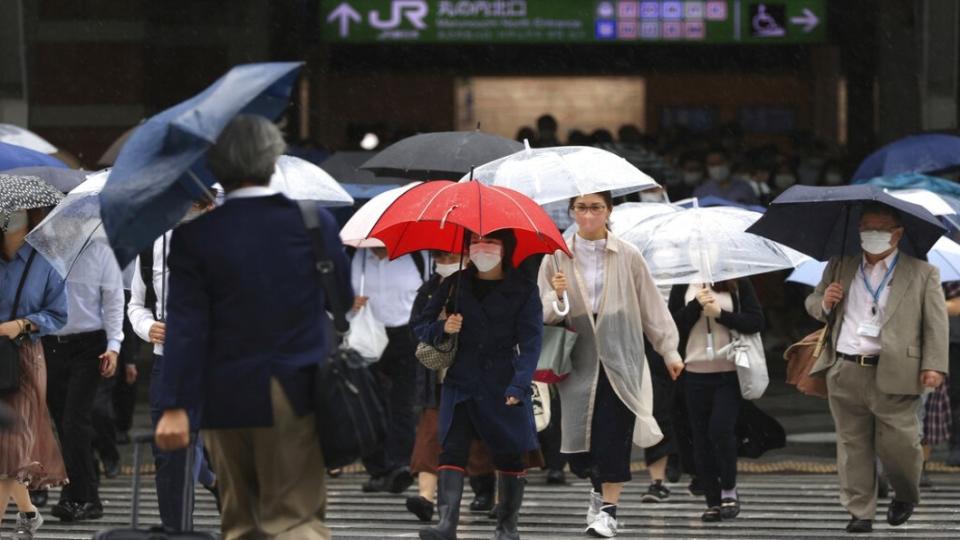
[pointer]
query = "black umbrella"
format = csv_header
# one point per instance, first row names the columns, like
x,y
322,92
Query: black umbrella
x,y
824,221
24,193
344,167
444,155
63,179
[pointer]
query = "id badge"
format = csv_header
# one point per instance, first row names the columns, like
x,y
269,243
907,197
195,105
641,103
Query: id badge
x,y
869,329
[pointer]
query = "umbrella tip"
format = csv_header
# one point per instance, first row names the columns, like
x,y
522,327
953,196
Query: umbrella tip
x,y
471,173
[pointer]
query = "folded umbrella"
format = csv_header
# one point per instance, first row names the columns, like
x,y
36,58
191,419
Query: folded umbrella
x,y
24,193
299,179
824,221
447,154
16,135
63,179
925,153
161,168
356,231
13,156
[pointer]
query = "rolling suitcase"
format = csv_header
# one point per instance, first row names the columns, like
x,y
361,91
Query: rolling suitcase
x,y
156,533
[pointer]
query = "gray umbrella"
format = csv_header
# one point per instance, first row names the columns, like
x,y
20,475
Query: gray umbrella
x,y
24,193
63,179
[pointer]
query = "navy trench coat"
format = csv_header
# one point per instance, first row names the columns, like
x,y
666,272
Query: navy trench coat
x,y
497,353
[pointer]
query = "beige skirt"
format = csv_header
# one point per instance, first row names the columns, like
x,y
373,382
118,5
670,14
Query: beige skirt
x,y
30,451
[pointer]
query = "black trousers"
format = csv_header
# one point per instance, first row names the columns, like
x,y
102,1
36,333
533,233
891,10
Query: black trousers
x,y
73,376
397,373
713,403
611,439
456,446
104,420
125,395
663,409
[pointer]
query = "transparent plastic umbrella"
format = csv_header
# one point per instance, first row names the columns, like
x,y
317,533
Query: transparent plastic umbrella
x,y
73,228
627,216
12,134
556,173
356,230
299,179
707,245
945,255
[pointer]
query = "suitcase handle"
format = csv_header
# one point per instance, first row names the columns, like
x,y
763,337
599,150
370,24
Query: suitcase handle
x,y
147,438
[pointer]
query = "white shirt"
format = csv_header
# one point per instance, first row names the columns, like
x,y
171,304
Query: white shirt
x,y
96,307
589,256
858,308
391,286
141,318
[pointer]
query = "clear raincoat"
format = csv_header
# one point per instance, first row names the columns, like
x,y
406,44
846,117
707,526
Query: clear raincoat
x,y
630,307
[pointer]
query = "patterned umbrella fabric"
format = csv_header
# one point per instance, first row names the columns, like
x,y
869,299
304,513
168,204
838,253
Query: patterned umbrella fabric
x,y
24,193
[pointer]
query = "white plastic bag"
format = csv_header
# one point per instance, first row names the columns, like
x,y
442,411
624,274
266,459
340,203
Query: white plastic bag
x,y
367,335
746,351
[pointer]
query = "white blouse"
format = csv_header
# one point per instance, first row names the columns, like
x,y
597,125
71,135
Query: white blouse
x,y
589,256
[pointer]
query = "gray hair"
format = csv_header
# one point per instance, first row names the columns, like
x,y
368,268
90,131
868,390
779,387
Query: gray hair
x,y
246,151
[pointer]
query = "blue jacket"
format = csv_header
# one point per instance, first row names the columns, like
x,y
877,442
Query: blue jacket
x,y
245,305
497,353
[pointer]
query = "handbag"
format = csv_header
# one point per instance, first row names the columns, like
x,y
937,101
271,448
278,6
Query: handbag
x,y
800,360
746,351
555,363
10,370
348,401
441,354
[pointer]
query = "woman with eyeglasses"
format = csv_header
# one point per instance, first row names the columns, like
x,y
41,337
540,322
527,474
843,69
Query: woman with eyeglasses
x,y
608,398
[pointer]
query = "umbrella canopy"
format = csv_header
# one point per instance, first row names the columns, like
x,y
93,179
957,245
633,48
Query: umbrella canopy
x,y
446,154
13,156
626,216
110,156
19,136
356,231
71,229
945,255
161,169
915,154
707,245
359,183
943,206
824,221
299,179
915,181
711,200
63,179
553,174
24,193
436,215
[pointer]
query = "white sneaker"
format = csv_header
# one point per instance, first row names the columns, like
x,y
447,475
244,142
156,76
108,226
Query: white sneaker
x,y
26,527
596,501
605,526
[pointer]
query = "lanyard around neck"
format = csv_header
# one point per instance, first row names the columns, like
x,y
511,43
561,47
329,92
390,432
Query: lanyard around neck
x,y
883,282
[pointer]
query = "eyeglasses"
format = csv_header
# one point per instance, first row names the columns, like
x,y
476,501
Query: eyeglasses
x,y
595,209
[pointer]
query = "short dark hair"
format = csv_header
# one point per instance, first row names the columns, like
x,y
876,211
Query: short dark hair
x,y
883,210
605,195
509,241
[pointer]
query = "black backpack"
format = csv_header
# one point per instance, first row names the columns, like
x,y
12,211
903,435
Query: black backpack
x,y
351,416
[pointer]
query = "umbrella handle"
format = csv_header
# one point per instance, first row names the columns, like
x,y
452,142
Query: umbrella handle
x,y
566,306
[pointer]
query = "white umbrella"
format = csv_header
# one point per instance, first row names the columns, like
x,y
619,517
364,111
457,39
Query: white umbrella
x,y
945,255
299,179
556,173
357,228
707,245
19,136
627,216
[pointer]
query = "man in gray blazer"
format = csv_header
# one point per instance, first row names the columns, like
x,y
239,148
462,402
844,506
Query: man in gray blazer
x,y
888,340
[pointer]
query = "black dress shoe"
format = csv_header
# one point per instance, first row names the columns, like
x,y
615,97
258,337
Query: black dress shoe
x,y
711,515
111,468
399,480
859,525
375,484
39,498
64,510
420,507
556,477
729,508
90,510
77,511
899,512
695,488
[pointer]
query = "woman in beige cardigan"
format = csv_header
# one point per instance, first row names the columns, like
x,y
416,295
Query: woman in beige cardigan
x,y
613,303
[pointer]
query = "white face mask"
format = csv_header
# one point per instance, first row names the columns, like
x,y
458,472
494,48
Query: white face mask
x,y
447,270
485,256
17,220
784,180
692,178
719,172
651,196
875,242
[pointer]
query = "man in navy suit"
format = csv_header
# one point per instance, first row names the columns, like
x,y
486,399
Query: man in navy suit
x,y
246,330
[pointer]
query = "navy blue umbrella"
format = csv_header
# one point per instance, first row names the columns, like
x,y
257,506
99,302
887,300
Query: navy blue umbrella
x,y
161,168
13,156
824,221
915,154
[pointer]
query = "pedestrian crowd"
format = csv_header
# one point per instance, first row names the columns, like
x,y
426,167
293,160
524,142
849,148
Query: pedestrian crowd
x,y
237,319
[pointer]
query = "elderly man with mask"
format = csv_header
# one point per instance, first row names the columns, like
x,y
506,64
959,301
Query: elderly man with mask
x,y
246,329
889,341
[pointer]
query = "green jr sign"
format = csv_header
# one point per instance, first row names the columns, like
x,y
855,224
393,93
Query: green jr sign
x,y
574,21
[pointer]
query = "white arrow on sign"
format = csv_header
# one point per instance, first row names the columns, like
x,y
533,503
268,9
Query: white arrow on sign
x,y
809,20
345,13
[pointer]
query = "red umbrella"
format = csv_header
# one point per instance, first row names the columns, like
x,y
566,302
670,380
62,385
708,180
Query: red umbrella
x,y
436,214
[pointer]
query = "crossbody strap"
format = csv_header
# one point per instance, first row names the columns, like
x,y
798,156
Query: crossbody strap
x,y
324,266
23,279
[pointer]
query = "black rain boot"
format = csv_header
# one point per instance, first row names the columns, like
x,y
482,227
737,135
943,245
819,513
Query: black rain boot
x,y
484,487
449,493
508,507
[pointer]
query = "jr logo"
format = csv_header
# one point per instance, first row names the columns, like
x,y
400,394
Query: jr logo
x,y
414,10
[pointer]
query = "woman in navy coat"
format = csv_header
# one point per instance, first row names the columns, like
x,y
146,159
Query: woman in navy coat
x,y
486,393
